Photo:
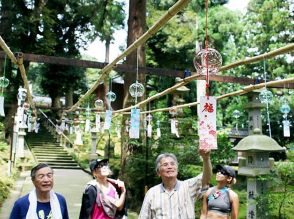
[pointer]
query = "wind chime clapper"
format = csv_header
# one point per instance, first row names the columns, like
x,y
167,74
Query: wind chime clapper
x,y
207,61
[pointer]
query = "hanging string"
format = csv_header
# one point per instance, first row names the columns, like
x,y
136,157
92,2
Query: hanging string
x,y
4,68
137,75
206,47
267,101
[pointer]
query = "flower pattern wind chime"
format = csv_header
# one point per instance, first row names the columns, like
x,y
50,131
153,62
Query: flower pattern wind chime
x,y
4,82
136,90
207,61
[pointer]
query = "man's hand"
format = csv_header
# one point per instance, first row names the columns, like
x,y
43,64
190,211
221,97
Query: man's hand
x,y
204,153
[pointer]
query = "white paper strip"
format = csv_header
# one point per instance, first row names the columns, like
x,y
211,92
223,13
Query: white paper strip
x,y
158,132
2,113
149,130
286,128
207,123
134,131
108,117
88,125
98,122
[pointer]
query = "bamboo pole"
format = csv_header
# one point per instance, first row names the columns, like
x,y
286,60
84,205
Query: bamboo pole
x,y
245,90
7,50
162,21
19,62
185,81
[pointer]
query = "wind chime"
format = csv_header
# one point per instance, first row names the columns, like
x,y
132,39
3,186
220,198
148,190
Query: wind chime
x,y
236,115
207,61
110,97
136,90
4,82
266,97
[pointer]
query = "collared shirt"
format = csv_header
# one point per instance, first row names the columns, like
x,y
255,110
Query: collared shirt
x,y
176,204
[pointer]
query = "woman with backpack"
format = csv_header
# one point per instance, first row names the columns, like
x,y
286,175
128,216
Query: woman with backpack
x,y
103,197
220,201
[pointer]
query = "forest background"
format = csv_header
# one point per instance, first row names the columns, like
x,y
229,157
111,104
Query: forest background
x,y
64,28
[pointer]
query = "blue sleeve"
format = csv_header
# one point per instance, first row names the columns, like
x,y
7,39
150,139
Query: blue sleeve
x,y
20,208
63,206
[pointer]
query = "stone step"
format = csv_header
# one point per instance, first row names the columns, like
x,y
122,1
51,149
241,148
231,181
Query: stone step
x,y
46,149
44,153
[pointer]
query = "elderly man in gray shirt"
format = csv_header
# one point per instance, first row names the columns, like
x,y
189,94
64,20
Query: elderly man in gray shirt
x,y
175,199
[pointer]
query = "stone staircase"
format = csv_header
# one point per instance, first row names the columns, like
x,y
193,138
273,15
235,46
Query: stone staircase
x,y
46,149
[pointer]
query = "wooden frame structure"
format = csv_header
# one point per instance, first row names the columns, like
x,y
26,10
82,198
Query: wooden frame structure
x,y
113,65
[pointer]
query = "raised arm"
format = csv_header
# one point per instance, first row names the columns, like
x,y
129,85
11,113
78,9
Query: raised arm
x,y
207,169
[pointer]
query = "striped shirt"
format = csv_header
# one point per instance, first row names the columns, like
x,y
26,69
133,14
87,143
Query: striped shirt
x,y
177,204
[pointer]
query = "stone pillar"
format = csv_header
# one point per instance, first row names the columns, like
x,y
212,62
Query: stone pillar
x,y
251,195
20,145
254,115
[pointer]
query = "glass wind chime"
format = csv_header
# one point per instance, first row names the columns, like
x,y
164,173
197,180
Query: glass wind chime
x,y
236,115
110,97
266,97
207,61
136,90
4,82
285,109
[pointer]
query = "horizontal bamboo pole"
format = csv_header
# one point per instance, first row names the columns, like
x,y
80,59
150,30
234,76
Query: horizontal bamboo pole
x,y
185,81
245,90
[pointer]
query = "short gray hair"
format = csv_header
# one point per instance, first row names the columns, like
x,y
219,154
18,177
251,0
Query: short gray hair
x,y
38,167
164,155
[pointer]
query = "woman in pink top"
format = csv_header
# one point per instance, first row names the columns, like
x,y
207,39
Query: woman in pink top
x,y
100,198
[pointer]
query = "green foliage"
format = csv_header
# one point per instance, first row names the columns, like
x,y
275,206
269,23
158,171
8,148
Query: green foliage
x,y
224,153
279,200
5,186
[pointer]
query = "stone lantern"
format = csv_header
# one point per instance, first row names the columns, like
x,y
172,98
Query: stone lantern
x,y
178,95
255,161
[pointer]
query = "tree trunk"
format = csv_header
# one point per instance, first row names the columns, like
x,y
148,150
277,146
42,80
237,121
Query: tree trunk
x,y
136,28
69,97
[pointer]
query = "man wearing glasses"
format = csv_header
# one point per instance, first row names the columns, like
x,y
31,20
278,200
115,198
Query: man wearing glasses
x,y
175,199
41,202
